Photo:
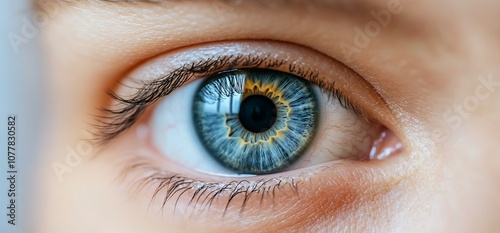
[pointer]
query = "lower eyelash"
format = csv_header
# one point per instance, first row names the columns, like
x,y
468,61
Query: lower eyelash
x,y
202,194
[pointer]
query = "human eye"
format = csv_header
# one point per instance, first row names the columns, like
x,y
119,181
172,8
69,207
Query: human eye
x,y
228,126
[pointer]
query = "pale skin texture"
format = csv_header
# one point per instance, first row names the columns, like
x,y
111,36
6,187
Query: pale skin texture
x,y
425,64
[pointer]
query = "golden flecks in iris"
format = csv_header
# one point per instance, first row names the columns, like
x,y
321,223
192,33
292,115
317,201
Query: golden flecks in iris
x,y
228,128
270,90
279,135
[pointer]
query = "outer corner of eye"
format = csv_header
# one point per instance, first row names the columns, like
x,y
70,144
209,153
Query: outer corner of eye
x,y
263,121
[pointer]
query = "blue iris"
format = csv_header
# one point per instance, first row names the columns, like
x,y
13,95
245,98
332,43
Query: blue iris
x,y
255,121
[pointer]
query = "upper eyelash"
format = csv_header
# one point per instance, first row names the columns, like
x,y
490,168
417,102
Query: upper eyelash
x,y
119,117
222,89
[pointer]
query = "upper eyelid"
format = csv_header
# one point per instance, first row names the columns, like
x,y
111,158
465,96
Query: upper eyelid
x,y
122,115
198,61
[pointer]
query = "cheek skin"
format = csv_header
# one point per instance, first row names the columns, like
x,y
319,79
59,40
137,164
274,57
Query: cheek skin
x,y
340,199
466,195
323,198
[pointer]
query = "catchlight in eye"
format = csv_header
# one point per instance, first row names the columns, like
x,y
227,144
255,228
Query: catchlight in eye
x,y
254,120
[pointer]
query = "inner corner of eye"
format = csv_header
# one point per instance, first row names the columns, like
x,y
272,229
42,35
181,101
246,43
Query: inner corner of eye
x,y
258,121
385,145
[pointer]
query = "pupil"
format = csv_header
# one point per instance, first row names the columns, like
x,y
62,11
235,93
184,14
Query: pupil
x,y
257,113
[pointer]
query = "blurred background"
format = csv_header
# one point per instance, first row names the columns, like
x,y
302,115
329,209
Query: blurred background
x,y
22,95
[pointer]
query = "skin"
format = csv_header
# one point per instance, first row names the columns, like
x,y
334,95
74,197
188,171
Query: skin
x,y
425,65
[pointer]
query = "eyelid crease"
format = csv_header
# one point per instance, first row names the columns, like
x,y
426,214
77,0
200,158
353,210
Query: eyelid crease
x,y
119,117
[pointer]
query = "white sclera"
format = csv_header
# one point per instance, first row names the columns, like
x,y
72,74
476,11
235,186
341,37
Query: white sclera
x,y
175,136
341,134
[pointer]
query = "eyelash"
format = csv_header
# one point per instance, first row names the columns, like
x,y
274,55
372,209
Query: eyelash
x,y
121,116
204,193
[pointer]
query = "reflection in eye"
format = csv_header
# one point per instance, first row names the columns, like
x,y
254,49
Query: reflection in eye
x,y
255,121
218,143
258,111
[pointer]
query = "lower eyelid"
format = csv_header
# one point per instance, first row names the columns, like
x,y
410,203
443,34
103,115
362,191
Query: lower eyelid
x,y
322,192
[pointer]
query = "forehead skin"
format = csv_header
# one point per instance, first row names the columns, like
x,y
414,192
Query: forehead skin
x,y
425,62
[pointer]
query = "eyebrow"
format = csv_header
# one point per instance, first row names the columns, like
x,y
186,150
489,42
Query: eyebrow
x,y
345,5
339,3
235,2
